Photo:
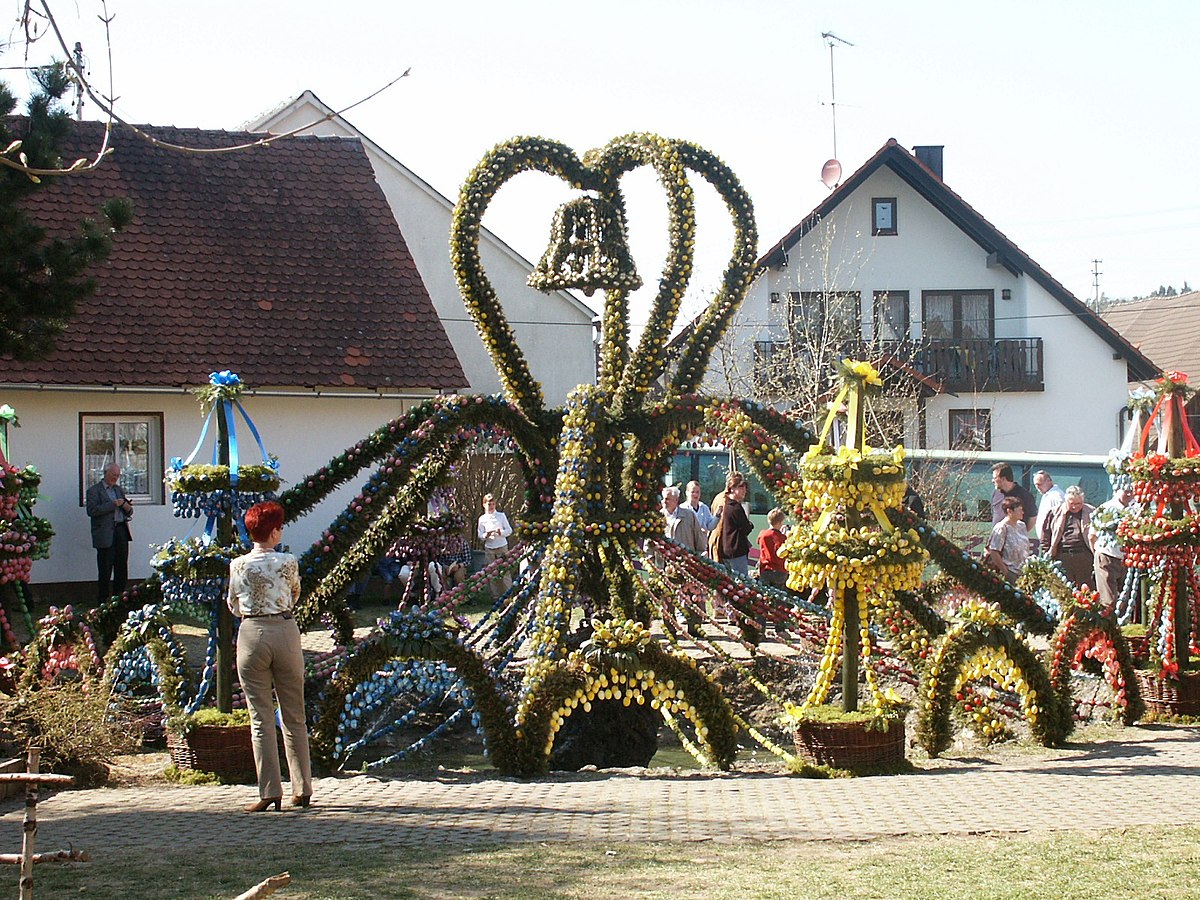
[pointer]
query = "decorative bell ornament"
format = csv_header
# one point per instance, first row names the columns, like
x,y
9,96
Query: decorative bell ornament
x,y
587,250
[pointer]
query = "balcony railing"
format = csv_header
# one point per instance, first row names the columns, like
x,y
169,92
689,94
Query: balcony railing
x,y
1005,364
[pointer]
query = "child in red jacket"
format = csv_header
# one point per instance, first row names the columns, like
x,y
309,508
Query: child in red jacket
x,y
771,570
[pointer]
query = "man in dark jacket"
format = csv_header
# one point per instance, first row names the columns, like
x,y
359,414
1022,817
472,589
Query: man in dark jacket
x,y
110,512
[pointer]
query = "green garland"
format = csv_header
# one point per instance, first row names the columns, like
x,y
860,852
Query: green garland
x,y
174,677
1049,722
1085,624
192,558
975,577
198,479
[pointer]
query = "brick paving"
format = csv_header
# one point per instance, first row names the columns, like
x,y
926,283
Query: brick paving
x,y
1143,776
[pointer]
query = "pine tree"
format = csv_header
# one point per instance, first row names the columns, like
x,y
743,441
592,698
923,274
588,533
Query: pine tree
x,y
42,279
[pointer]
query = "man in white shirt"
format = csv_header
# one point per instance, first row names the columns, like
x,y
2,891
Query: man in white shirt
x,y
1052,498
704,516
494,531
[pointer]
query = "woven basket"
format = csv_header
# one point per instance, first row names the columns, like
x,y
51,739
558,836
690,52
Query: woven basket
x,y
223,749
148,718
849,745
1170,697
1139,647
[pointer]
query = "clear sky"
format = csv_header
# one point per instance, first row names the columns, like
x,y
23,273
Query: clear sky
x,y
1069,124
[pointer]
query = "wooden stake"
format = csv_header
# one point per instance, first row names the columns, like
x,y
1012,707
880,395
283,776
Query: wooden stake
x,y
29,834
51,856
266,888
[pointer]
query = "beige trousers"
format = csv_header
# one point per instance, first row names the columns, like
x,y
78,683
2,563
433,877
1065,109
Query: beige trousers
x,y
500,585
269,653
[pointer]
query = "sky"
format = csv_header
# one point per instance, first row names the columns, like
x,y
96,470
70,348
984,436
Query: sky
x,y
1069,125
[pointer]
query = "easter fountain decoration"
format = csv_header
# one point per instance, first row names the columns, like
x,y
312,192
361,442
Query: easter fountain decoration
x,y
591,532
24,537
591,529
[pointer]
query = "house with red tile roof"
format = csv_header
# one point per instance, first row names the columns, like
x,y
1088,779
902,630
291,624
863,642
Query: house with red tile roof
x,y
1167,329
555,330
283,264
999,355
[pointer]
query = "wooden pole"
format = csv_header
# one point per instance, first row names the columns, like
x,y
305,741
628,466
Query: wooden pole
x,y
225,660
29,827
1176,448
266,888
856,438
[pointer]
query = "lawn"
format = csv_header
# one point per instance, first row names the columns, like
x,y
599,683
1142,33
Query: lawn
x,y
1144,863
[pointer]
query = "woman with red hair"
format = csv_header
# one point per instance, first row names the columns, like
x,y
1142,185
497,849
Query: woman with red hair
x,y
263,587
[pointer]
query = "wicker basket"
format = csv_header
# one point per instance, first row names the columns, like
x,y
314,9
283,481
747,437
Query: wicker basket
x,y
1139,647
148,718
1171,697
223,749
849,745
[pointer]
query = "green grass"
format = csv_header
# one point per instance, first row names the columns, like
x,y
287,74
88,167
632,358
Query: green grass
x,y
1147,863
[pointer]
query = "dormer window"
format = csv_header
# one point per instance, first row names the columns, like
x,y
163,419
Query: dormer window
x,y
883,216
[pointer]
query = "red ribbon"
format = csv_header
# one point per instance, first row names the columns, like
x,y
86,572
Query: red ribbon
x,y
1174,409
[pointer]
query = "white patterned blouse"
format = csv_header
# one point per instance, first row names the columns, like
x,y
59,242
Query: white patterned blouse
x,y
263,583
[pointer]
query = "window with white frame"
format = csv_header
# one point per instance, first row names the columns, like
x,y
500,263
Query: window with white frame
x,y
133,441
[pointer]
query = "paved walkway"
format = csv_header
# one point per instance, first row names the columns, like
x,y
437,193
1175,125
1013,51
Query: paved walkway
x,y
1149,776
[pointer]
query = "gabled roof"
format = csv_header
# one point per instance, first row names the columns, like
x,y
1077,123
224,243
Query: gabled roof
x,y
309,99
1165,328
281,263
1000,249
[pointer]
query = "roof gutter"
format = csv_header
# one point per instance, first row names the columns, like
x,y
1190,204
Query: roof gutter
x,y
315,393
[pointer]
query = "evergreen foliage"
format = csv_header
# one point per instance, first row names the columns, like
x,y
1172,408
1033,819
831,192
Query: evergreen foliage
x,y
42,278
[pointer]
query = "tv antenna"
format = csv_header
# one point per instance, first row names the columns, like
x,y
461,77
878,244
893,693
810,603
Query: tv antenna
x,y
1096,273
833,40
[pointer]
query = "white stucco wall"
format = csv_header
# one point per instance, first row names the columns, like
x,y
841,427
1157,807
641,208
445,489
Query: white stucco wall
x,y
554,330
304,432
1084,386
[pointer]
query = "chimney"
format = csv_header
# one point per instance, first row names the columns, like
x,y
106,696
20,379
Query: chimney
x,y
931,156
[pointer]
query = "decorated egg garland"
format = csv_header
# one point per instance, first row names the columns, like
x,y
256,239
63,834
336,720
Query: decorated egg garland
x,y
24,537
845,544
1163,537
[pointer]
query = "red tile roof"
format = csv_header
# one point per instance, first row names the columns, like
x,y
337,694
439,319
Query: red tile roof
x,y
1167,329
283,264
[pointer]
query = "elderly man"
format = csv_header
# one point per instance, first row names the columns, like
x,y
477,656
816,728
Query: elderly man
x,y
1052,498
681,525
682,528
110,512
1069,538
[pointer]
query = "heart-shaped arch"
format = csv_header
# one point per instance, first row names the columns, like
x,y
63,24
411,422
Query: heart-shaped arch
x,y
627,376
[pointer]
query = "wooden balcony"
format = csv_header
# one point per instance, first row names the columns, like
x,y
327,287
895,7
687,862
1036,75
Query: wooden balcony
x,y
1005,364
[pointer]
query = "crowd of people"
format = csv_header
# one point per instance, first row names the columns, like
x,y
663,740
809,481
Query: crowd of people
x,y
1060,526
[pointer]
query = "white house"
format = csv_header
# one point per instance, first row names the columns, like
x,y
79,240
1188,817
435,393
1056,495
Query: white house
x,y
283,265
555,331
1005,357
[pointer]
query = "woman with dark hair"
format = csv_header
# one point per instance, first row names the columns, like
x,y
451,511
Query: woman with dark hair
x,y
263,587
1008,544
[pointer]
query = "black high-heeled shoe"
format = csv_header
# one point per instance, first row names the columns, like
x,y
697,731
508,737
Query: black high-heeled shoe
x,y
301,800
263,805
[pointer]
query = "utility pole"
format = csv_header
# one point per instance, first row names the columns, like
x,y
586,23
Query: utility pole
x,y
832,39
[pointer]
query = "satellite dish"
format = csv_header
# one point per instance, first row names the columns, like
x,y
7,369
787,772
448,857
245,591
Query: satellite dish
x,y
831,173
